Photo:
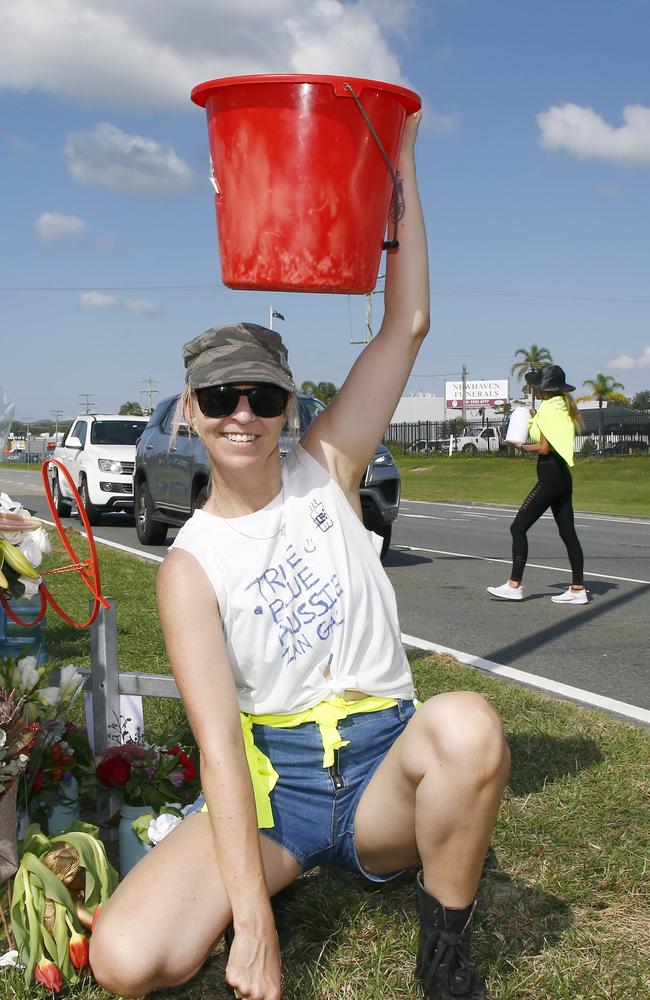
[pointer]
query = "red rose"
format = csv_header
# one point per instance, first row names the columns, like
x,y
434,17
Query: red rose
x,y
39,781
184,761
113,772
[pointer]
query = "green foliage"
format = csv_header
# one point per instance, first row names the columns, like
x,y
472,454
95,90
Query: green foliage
x,y
131,409
641,401
325,391
588,448
531,357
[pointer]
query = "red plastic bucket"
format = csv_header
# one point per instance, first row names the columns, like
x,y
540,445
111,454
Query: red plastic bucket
x,y
302,190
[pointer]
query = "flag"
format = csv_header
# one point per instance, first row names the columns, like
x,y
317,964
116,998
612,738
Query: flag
x,y
276,314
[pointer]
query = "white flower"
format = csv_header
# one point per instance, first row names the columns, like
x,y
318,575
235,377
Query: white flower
x,y
25,675
160,827
69,682
31,586
10,959
50,696
9,506
34,545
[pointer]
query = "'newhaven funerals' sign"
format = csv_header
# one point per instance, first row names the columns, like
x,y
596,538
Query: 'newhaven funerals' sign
x,y
477,393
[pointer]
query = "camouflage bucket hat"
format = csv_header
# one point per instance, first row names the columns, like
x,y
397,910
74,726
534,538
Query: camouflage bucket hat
x,y
237,352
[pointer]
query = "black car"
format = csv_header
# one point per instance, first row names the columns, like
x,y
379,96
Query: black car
x,y
171,480
623,448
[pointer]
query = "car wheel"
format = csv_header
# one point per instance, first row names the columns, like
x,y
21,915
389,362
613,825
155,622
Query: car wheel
x,y
93,512
149,532
386,534
61,506
470,449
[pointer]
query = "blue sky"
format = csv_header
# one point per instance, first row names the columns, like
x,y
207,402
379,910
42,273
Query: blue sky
x,y
533,159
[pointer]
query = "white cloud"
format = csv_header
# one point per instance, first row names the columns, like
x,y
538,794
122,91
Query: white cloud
x,y
583,133
626,361
140,306
144,54
110,158
98,300
103,300
442,124
56,226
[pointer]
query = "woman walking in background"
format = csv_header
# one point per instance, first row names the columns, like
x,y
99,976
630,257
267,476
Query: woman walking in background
x,y
552,430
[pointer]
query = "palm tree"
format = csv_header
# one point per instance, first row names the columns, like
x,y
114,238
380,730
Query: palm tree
x,y
603,387
531,357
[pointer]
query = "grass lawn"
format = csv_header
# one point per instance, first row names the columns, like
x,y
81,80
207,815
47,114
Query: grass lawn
x,y
608,485
564,904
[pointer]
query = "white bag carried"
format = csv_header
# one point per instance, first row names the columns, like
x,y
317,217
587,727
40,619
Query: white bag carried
x,y
517,432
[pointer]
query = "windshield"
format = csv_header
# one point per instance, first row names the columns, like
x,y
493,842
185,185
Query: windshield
x,y
116,431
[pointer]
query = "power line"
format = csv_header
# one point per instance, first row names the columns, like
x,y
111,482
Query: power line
x,y
459,291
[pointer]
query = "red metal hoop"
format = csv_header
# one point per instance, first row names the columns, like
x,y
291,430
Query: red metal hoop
x,y
88,570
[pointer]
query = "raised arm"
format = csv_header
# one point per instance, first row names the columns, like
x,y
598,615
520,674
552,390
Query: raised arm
x,y
193,635
345,436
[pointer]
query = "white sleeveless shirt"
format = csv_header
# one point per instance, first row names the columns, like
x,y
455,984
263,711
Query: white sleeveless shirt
x,y
302,594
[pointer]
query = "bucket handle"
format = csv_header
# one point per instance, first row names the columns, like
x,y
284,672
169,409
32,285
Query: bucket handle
x,y
213,180
394,243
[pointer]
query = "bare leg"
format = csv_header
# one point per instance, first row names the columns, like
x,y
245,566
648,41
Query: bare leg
x,y
162,922
436,797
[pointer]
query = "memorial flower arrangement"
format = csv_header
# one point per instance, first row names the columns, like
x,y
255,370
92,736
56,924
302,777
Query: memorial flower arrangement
x,y
16,740
58,891
46,700
23,543
142,774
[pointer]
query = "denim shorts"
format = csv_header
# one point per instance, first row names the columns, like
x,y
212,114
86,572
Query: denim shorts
x,y
314,807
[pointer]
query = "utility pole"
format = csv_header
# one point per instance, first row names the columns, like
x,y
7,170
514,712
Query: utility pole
x,y
464,375
149,391
86,396
57,414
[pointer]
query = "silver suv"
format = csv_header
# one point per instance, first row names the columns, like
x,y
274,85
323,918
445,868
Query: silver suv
x,y
171,480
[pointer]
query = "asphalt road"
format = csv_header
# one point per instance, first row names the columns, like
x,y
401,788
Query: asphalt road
x,y
445,555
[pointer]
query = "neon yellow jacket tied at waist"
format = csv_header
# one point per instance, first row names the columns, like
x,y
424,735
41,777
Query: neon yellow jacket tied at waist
x,y
553,420
326,715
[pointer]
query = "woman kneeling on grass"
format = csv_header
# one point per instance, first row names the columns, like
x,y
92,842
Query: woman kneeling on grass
x,y
282,632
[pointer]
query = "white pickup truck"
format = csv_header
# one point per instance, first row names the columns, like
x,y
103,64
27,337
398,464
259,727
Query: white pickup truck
x,y
99,453
487,439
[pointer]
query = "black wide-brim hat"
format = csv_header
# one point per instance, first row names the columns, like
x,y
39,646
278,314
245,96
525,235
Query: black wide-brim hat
x,y
550,378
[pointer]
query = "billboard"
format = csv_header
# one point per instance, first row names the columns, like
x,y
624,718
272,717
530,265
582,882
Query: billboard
x,y
481,392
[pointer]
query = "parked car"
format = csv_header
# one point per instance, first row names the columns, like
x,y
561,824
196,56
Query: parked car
x,y
623,448
422,446
99,453
171,480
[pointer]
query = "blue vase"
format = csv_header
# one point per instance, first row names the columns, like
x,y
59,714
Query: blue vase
x,y
131,848
66,809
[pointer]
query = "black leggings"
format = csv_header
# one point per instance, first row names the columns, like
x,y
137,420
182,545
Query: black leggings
x,y
554,489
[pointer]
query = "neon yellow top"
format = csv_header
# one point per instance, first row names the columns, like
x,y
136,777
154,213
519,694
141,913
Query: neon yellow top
x,y
553,420
326,715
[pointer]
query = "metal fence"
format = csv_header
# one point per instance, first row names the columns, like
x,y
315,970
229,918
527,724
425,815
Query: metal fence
x,y
623,432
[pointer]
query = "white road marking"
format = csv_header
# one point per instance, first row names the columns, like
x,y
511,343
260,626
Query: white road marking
x,y
508,562
114,545
535,681
498,512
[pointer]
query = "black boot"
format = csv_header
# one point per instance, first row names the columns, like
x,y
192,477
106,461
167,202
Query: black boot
x,y
443,964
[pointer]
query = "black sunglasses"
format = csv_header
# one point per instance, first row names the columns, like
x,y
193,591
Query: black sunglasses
x,y
264,399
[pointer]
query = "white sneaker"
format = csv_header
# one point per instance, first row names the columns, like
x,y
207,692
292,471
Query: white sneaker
x,y
506,592
571,597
